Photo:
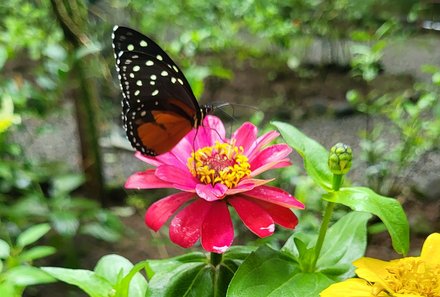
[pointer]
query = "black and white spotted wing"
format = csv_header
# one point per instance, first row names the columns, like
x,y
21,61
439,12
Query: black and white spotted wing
x,y
158,105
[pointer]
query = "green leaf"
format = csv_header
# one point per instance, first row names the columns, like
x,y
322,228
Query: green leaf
x,y
298,244
224,273
387,209
37,253
239,252
27,275
166,265
436,78
114,267
99,231
67,183
345,242
65,223
8,289
32,234
88,281
3,56
303,285
5,249
262,273
314,155
189,279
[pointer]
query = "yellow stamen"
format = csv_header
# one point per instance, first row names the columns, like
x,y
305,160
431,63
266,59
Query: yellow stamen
x,y
221,163
413,276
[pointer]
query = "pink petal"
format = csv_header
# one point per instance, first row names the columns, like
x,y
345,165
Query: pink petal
x,y
146,180
211,193
217,228
179,178
182,151
281,164
274,195
245,136
270,154
211,131
149,160
272,165
281,215
253,216
261,142
159,212
216,126
247,184
172,159
185,227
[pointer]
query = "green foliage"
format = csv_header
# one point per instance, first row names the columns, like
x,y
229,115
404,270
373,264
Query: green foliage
x,y
360,199
368,50
411,114
32,61
68,215
314,155
16,270
113,276
387,209
193,275
269,272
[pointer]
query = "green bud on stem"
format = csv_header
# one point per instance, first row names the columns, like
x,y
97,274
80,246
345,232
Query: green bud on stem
x,y
339,160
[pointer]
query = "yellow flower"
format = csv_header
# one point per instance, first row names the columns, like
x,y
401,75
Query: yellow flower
x,y
7,116
406,277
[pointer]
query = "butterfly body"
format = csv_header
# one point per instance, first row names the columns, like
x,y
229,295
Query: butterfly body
x,y
158,105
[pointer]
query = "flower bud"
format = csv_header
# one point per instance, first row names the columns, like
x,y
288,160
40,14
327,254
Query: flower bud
x,y
339,160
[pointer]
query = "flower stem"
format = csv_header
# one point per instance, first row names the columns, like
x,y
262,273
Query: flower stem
x,y
337,181
216,259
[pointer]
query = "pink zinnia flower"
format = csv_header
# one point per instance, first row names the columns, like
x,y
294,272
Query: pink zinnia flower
x,y
212,173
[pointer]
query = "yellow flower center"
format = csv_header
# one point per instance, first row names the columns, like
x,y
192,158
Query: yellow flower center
x,y
221,163
414,276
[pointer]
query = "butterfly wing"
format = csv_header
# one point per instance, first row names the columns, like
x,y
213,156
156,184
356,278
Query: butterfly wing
x,y
158,105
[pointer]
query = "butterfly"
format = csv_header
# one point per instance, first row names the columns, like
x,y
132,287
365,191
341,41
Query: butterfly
x,y
158,106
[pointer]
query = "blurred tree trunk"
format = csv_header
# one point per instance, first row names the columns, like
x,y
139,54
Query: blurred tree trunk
x,y
72,16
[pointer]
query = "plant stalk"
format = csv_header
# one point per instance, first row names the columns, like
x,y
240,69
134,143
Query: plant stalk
x,y
336,184
216,259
